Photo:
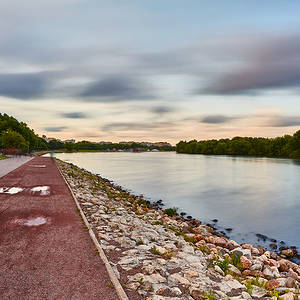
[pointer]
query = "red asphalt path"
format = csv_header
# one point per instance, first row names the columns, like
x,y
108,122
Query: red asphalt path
x,y
55,260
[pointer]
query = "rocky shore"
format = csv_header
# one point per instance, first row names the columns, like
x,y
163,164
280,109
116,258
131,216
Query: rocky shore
x,y
157,254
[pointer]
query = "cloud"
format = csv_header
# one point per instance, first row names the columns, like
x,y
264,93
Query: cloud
x,y
74,115
217,119
137,126
55,129
117,88
161,110
274,63
283,121
22,86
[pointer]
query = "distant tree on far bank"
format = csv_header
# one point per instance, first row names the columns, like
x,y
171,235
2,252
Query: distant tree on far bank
x,y
13,139
282,147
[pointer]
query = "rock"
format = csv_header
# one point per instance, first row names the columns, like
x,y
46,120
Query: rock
x,y
256,267
283,266
219,270
274,263
228,277
247,246
234,284
155,278
291,283
245,295
258,292
294,274
253,273
245,262
242,252
288,296
197,294
133,286
156,297
198,237
272,284
161,250
160,291
218,241
191,274
176,291
203,230
234,270
268,272
177,278
288,252
255,251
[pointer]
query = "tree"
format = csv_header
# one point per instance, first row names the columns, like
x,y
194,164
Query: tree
x,y
69,147
13,139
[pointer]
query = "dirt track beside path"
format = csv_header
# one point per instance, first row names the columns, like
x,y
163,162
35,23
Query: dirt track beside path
x,y
45,251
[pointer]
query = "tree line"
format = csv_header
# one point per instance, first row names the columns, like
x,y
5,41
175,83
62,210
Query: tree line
x,y
89,146
287,146
17,135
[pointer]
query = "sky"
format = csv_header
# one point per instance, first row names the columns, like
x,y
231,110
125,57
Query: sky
x,y
140,70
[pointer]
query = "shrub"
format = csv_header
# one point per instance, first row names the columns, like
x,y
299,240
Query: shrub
x,y
171,212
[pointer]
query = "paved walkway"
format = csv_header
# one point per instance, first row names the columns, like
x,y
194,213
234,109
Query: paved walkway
x,y
9,164
45,252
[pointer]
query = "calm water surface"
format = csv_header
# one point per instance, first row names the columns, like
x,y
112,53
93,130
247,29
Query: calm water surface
x,y
251,195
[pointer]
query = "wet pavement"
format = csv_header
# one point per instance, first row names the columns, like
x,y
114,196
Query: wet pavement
x,y
45,251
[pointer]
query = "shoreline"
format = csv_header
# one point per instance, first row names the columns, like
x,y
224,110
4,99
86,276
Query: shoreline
x,y
156,255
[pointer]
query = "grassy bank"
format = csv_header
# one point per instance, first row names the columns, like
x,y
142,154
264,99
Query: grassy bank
x,y
3,156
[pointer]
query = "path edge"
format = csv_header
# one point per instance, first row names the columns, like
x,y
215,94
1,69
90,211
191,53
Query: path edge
x,y
118,287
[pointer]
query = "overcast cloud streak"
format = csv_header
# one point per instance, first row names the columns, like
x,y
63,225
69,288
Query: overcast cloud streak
x,y
22,86
272,64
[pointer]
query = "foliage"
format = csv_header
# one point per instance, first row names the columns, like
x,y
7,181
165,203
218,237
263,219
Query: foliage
x,y
89,146
236,261
210,296
155,251
171,212
224,265
13,139
249,287
2,156
283,147
34,142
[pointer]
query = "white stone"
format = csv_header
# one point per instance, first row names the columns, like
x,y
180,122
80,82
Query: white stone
x,y
234,284
259,292
219,270
177,278
245,295
176,291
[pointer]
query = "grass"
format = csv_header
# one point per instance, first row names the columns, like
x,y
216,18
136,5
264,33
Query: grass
x,y
224,265
250,283
155,251
109,285
210,296
171,212
249,287
276,294
236,261
3,156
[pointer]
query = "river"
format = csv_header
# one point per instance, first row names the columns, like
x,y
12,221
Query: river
x,y
249,195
